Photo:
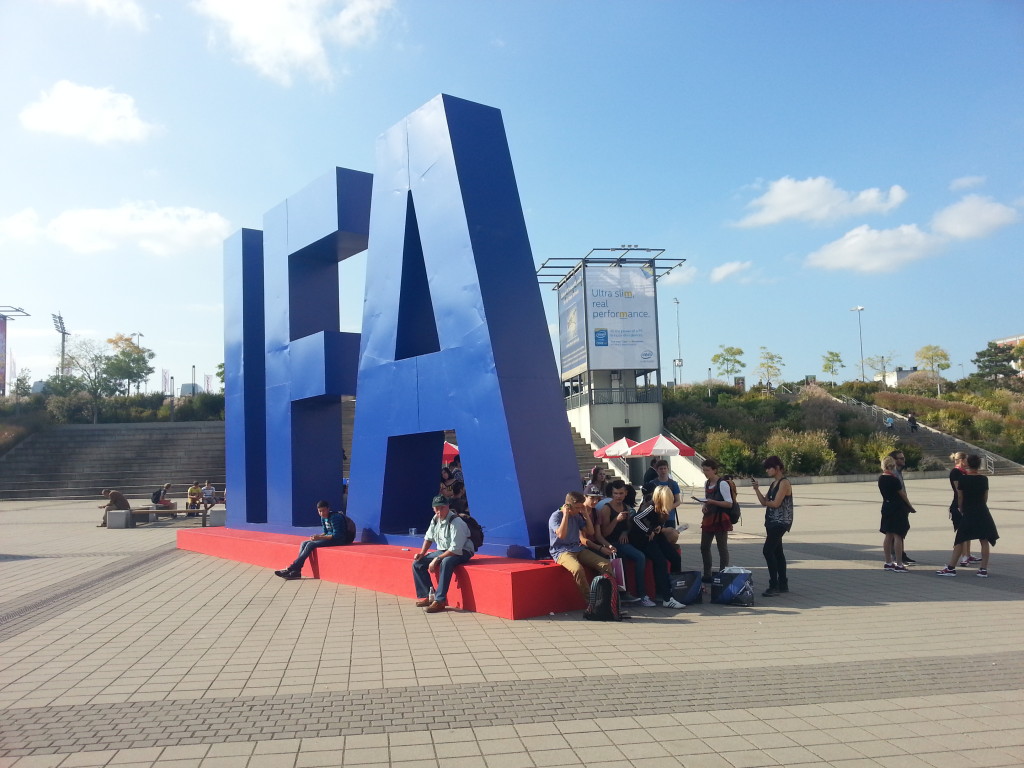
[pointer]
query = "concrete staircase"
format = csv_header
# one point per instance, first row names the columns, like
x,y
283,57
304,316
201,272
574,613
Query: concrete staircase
x,y
935,445
77,461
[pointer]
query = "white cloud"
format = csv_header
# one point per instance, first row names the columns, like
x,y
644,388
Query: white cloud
x,y
99,115
281,38
730,268
681,275
974,216
865,249
966,182
127,11
21,227
162,231
817,199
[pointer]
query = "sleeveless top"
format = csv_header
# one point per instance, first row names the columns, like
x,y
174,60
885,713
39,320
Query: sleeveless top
x,y
783,514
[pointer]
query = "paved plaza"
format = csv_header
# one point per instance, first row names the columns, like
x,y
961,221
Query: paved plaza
x,y
118,649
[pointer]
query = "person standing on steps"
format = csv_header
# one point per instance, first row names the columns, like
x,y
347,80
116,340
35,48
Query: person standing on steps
x,y
778,519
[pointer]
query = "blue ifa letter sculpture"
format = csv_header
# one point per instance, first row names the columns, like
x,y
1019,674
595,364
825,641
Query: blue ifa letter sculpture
x,y
453,337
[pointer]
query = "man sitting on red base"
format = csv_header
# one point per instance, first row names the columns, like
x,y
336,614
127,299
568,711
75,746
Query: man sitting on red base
x,y
570,529
451,535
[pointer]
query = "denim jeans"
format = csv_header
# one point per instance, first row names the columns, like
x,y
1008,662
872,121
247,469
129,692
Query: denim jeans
x,y
421,576
306,549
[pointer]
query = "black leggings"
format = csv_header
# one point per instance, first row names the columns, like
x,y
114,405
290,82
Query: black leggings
x,y
774,557
722,537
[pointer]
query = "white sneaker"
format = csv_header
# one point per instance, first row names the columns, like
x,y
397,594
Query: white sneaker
x,y
671,603
646,602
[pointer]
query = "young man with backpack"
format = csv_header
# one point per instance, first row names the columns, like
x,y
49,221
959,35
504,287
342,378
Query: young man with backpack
x,y
451,534
159,496
338,529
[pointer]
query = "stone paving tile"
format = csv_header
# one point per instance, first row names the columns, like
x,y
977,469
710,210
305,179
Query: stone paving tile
x,y
167,657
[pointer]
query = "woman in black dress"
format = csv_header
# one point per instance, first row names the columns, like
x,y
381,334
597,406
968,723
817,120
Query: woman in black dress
x,y
896,511
977,522
959,469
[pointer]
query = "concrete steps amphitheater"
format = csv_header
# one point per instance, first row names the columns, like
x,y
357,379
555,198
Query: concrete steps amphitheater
x,y
78,460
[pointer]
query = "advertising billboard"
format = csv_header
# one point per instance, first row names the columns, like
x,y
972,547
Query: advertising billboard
x,y
572,325
621,316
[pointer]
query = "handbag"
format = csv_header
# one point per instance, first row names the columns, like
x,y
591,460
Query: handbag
x,y
618,572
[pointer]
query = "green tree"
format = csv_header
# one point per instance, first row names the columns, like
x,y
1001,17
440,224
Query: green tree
x,y
994,362
934,359
880,364
87,359
831,362
770,366
728,361
129,363
220,375
23,384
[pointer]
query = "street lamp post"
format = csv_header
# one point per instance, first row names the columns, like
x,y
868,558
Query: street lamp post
x,y
709,383
860,331
172,398
193,381
138,343
678,362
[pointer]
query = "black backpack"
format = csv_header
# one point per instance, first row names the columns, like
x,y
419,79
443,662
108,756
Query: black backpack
x,y
734,511
476,531
350,529
155,496
603,603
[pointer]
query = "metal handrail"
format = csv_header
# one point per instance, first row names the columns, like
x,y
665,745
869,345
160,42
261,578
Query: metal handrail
x,y
620,464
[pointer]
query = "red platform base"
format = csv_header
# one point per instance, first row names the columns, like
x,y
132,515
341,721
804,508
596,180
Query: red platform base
x,y
498,586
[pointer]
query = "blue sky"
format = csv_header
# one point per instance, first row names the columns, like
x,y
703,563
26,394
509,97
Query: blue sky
x,y
803,157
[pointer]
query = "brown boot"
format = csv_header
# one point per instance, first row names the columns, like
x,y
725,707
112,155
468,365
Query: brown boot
x,y
423,602
437,606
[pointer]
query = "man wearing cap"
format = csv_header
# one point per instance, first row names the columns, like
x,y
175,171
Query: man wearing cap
x,y
451,535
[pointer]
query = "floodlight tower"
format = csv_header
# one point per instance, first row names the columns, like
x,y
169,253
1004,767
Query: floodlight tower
x,y
58,324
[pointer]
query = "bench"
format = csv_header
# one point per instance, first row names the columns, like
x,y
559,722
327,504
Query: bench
x,y
497,586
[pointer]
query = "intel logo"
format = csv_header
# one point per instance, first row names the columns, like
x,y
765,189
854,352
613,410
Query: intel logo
x,y
646,354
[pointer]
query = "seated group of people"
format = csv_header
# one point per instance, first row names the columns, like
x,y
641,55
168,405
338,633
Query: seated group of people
x,y
205,495
586,532
604,521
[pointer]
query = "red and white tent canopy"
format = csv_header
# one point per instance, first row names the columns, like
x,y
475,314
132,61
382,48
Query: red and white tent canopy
x,y
661,446
450,452
619,448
